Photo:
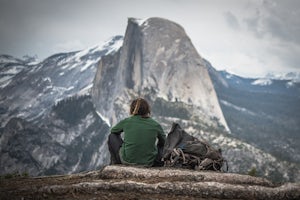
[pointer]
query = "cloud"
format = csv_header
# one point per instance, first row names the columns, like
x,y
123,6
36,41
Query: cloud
x,y
265,37
249,37
277,19
231,20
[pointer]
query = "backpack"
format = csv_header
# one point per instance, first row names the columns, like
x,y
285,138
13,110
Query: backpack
x,y
185,151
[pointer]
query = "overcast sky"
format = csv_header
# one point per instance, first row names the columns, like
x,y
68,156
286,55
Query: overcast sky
x,y
245,37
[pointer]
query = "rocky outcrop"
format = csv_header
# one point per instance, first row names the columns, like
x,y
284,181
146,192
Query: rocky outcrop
x,y
124,182
157,60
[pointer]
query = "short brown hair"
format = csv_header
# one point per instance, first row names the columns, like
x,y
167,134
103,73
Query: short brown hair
x,y
139,106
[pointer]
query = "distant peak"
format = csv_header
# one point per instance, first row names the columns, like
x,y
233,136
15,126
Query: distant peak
x,y
30,60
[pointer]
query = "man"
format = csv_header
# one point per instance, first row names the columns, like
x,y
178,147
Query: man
x,y
140,135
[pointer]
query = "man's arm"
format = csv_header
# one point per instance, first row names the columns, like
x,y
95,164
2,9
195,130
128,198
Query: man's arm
x,y
118,128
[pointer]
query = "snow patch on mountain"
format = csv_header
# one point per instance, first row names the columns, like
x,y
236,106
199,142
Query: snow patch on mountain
x,y
140,22
106,120
229,76
292,76
290,84
5,81
111,45
87,65
262,82
9,68
226,103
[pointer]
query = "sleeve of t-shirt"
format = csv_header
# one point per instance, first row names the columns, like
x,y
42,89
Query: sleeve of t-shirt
x,y
118,128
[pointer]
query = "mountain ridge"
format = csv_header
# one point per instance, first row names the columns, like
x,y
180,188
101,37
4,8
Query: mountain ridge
x,y
255,109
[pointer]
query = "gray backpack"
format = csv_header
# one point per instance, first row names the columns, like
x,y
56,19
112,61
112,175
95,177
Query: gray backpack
x,y
185,151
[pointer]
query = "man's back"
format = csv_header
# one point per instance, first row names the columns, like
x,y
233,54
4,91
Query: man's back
x,y
140,134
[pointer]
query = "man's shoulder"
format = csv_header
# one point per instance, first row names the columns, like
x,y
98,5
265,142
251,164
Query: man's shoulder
x,y
154,122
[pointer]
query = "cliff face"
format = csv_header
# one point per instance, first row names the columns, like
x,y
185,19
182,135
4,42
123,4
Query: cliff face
x,y
157,60
121,182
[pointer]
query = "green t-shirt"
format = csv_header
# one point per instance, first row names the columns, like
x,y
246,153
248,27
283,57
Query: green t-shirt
x,y
140,136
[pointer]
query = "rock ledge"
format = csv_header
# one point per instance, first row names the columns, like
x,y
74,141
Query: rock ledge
x,y
124,182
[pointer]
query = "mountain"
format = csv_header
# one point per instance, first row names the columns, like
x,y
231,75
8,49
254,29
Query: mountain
x,y
264,112
57,77
49,123
162,65
55,115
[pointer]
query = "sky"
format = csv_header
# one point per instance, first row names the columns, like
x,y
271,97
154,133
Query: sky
x,y
249,38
